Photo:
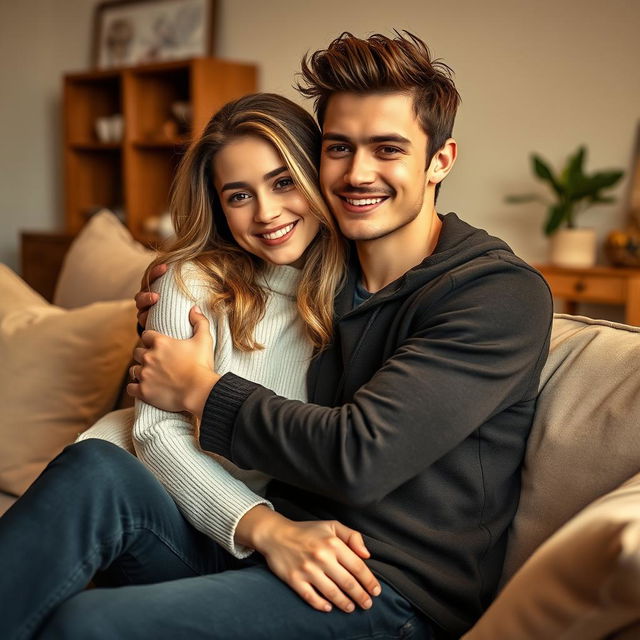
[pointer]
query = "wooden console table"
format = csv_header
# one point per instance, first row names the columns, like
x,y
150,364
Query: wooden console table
x,y
608,285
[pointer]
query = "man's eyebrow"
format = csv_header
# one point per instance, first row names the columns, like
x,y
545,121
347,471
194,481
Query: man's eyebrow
x,y
384,137
245,185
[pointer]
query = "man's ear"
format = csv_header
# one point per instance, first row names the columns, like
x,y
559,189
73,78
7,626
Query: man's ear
x,y
442,162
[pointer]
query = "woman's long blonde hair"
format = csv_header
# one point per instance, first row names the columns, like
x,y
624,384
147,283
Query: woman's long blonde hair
x,y
203,237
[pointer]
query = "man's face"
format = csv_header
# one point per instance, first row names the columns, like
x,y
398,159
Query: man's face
x,y
372,168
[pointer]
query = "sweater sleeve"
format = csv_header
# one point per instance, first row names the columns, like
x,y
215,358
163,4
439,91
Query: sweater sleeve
x,y
211,499
468,357
115,427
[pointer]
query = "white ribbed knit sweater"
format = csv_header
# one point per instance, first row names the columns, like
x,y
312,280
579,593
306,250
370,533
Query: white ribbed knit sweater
x,y
211,492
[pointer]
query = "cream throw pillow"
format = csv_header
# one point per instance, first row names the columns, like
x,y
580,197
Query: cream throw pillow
x,y
585,438
581,584
60,371
103,263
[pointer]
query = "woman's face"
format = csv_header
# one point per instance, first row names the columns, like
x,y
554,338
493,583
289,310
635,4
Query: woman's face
x,y
266,213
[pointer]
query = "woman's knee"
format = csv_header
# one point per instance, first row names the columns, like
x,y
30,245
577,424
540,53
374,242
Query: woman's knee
x,y
82,617
90,464
94,455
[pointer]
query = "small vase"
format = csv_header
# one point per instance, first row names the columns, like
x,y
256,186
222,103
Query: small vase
x,y
622,247
573,248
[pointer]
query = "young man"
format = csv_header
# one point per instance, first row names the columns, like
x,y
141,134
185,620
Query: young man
x,y
420,409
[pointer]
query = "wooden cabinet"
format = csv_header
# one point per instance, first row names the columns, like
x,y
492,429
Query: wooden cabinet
x,y
133,172
41,256
608,285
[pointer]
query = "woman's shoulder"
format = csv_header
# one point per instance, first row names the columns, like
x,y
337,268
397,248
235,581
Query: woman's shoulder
x,y
187,277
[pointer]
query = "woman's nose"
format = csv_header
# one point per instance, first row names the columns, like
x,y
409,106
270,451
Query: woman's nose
x,y
268,209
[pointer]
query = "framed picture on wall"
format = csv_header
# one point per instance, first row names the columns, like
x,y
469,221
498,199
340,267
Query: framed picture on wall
x,y
132,32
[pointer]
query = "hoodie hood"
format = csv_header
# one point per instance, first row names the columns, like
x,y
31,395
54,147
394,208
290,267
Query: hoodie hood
x,y
459,245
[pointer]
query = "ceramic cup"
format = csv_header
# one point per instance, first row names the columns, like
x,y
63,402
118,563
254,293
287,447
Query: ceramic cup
x,y
110,128
103,129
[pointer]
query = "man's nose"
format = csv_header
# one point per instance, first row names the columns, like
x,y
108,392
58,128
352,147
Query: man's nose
x,y
360,169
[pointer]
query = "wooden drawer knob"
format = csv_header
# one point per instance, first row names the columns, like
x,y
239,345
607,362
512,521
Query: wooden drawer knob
x,y
580,286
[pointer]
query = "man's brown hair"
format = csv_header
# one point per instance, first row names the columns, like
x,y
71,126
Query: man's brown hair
x,y
381,64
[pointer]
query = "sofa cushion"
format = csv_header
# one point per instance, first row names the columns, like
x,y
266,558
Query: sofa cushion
x,y
585,438
103,263
61,370
581,584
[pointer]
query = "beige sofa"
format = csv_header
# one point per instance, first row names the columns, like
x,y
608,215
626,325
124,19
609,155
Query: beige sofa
x,y
572,569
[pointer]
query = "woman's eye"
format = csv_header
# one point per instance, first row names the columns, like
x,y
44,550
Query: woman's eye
x,y
238,197
284,183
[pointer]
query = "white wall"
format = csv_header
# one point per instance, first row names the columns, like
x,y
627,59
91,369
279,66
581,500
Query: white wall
x,y
544,76
39,41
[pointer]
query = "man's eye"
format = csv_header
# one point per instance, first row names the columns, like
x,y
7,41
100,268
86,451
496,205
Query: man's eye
x,y
338,148
389,151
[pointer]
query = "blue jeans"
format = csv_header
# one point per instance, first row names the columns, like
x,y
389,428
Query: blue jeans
x,y
97,513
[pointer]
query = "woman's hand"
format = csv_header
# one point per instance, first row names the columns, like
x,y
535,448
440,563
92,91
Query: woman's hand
x,y
175,375
320,560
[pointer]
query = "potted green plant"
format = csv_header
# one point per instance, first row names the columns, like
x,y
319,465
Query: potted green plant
x,y
573,191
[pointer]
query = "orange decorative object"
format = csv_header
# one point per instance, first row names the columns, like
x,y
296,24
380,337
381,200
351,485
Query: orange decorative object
x,y
622,247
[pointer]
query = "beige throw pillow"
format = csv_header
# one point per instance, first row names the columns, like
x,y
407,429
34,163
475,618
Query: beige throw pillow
x,y
585,438
103,263
61,370
581,584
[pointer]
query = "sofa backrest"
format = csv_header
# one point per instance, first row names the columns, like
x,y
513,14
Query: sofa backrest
x,y
585,438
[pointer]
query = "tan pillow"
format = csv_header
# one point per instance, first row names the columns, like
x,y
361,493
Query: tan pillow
x,y
60,372
585,438
103,263
582,584
16,294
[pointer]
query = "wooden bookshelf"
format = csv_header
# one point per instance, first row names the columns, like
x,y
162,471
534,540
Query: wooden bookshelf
x,y
134,174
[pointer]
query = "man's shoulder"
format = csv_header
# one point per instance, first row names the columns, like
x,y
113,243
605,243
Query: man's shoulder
x,y
495,285
480,254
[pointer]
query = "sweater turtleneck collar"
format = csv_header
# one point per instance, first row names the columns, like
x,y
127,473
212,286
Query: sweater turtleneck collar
x,y
282,279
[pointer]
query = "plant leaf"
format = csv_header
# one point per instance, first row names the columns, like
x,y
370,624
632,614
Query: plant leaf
x,y
598,199
558,214
525,197
544,172
573,173
591,185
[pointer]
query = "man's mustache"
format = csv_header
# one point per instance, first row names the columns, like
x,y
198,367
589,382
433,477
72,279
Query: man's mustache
x,y
364,191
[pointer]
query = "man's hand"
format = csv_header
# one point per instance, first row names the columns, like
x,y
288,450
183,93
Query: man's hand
x,y
175,375
322,561
145,299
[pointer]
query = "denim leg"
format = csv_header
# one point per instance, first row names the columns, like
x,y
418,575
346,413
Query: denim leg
x,y
246,604
94,508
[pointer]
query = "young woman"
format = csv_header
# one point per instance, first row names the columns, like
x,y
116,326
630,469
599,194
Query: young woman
x,y
258,252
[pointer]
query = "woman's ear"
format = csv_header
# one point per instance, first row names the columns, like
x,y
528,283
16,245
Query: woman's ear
x,y
442,162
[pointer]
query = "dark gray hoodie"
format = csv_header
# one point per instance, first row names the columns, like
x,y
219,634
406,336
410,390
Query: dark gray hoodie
x,y
421,410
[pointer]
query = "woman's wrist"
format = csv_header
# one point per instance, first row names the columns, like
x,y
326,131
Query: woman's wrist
x,y
256,527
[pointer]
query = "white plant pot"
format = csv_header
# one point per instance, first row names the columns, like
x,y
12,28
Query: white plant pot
x,y
573,248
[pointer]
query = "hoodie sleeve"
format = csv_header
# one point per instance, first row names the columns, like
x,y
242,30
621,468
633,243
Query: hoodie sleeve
x,y
473,354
